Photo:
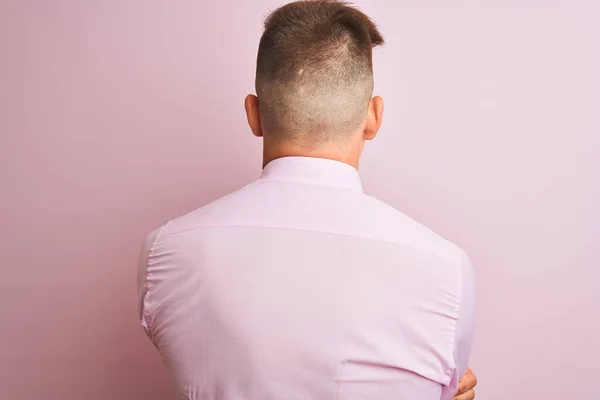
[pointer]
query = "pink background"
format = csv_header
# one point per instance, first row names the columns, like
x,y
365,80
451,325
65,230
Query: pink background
x,y
118,115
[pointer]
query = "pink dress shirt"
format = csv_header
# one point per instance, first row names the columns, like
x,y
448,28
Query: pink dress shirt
x,y
301,287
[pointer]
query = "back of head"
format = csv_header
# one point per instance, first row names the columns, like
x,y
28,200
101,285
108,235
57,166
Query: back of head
x,y
314,76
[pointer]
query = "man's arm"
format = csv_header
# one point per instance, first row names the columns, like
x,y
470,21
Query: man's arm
x,y
143,273
464,326
466,318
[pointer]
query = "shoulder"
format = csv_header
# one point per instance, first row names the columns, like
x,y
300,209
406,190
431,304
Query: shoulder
x,y
447,263
215,213
397,227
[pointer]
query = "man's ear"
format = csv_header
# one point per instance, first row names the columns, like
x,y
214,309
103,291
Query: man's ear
x,y
374,118
253,115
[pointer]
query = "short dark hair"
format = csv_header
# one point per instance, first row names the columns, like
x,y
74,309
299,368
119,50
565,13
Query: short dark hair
x,y
314,73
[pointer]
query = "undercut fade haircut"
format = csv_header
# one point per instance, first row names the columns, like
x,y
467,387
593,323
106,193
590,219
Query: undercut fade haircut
x,y
314,74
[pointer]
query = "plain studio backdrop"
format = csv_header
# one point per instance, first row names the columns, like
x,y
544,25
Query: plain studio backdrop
x,y
116,116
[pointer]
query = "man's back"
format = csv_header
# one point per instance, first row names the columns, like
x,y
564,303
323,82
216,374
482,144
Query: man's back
x,y
299,286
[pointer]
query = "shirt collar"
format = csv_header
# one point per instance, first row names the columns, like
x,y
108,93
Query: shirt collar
x,y
313,171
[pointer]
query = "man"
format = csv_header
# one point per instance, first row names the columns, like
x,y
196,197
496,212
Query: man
x,y
300,286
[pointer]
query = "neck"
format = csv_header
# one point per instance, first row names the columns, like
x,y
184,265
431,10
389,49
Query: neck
x,y
348,154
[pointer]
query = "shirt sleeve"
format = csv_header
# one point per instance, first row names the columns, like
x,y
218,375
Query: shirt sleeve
x,y
142,274
465,322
